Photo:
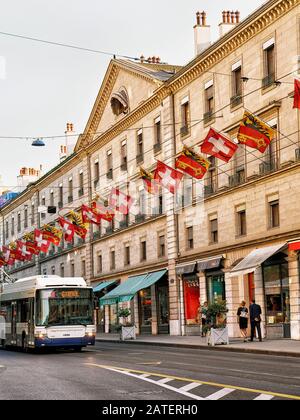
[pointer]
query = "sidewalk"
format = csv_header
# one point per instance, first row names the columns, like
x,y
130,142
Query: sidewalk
x,y
272,347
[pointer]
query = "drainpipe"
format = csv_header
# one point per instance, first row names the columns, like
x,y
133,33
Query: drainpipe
x,y
90,195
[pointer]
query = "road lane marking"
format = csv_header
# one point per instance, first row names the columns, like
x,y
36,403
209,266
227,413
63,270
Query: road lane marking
x,y
220,394
151,381
165,381
149,364
264,397
145,376
182,379
189,387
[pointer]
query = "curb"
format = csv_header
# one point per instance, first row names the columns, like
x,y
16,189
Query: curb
x,y
204,348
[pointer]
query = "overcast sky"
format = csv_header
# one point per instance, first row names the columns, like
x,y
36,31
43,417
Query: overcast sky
x,y
43,87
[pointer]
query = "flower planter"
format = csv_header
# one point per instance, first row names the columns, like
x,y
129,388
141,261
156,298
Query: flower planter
x,y
127,333
218,337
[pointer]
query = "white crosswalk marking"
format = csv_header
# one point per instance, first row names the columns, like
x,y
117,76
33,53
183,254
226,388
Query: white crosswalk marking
x,y
145,376
189,387
264,397
164,380
220,394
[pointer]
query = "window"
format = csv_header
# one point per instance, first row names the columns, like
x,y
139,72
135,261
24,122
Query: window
x,y
81,183
190,237
124,155
209,102
211,179
12,226
19,222
53,271
185,117
26,218
112,259
140,146
72,269
274,217
96,171
269,63
241,222
70,190
109,165
214,237
237,85
32,214
187,187
6,230
60,196
127,255
62,270
157,131
83,268
43,203
100,262
161,246
143,250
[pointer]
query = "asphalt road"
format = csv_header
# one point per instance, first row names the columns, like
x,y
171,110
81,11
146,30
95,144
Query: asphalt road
x,y
113,371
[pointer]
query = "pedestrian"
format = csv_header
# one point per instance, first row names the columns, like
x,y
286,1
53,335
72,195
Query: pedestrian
x,y
204,319
255,319
243,316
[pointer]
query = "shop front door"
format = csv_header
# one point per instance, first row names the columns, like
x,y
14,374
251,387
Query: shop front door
x,y
163,307
145,311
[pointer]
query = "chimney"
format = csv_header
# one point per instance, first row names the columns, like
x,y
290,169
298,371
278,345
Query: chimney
x,y
201,33
229,21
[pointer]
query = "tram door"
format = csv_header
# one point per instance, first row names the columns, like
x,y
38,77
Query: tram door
x,y
14,323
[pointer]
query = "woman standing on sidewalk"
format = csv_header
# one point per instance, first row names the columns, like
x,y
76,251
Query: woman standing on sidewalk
x,y
243,316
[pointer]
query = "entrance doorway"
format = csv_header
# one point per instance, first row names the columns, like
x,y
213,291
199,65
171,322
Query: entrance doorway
x,y
162,293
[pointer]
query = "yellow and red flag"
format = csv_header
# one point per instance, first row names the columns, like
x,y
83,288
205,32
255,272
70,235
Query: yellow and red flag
x,y
255,133
79,227
149,183
52,234
192,163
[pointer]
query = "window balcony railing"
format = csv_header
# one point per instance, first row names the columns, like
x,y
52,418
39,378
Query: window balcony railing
x,y
268,81
267,167
236,100
70,199
80,192
208,117
60,204
139,218
184,131
157,147
109,174
124,166
140,158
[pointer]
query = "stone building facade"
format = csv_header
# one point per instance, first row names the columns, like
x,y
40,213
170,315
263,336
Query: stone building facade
x,y
232,236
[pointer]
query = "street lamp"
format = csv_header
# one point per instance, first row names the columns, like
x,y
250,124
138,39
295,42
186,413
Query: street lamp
x,y
38,143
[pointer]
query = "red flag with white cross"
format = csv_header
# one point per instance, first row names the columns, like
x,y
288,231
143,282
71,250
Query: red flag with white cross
x,y
120,201
41,243
167,177
23,250
215,144
90,215
105,212
68,229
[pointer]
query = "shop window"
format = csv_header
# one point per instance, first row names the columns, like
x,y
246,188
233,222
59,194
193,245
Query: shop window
x,y
276,281
145,307
216,288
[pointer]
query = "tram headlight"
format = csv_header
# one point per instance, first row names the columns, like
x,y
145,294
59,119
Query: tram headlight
x,y
90,334
41,336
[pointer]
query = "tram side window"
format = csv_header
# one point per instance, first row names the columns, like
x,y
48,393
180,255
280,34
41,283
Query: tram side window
x,y
5,311
23,310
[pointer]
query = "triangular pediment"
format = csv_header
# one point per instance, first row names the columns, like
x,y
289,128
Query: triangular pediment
x,y
125,86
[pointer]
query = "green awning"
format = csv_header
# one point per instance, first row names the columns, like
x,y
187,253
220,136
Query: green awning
x,y
103,286
127,290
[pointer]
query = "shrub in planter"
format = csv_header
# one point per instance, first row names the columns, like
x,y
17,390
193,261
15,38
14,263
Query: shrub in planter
x,y
127,329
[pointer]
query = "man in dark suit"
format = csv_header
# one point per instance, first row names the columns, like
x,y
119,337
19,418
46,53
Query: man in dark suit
x,y
255,319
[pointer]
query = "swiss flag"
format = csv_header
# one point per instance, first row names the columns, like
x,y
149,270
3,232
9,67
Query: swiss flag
x,y
297,94
120,201
90,215
219,146
41,243
167,177
23,250
32,248
68,229
7,256
106,213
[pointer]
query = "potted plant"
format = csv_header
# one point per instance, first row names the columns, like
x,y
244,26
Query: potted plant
x,y
127,329
217,328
